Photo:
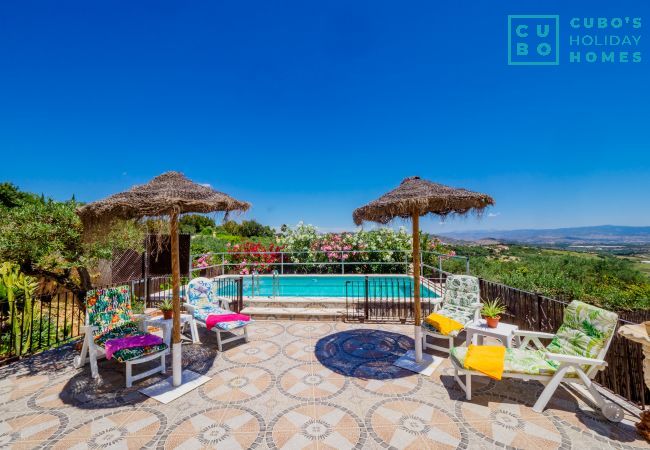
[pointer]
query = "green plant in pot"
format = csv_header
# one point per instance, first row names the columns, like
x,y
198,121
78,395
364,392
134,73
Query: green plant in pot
x,y
167,308
491,311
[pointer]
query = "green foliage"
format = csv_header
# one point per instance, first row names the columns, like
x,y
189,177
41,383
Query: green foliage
x,y
248,228
195,223
44,238
166,305
12,197
607,281
493,308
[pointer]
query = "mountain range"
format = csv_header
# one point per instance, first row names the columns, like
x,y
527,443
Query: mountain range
x,y
591,235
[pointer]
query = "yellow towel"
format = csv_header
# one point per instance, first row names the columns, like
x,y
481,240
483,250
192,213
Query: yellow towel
x,y
443,324
487,359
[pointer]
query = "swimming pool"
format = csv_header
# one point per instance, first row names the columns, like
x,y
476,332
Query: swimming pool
x,y
331,286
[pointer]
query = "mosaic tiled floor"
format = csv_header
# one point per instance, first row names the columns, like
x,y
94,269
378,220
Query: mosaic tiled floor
x,y
295,385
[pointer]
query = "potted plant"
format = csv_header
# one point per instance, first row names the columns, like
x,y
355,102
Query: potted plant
x,y
167,309
491,311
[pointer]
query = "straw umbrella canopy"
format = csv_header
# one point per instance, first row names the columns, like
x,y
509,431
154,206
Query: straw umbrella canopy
x,y
415,197
169,194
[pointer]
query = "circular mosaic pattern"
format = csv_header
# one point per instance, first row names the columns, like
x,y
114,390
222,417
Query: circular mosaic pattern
x,y
238,384
125,429
300,350
320,425
305,382
506,422
414,424
264,330
14,388
201,358
107,391
364,353
597,427
252,352
309,329
48,398
30,430
230,427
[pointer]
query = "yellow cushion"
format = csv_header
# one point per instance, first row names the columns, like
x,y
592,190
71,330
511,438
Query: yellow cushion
x,y
487,359
443,324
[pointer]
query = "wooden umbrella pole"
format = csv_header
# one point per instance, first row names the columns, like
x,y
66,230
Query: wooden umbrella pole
x,y
416,286
176,282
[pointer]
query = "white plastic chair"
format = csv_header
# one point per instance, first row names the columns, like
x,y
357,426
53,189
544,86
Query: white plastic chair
x,y
109,311
202,301
574,356
460,302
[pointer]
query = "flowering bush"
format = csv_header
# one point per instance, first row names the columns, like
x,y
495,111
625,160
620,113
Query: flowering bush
x,y
202,261
251,256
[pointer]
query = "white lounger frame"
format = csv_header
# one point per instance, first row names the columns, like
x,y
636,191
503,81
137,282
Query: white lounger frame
x,y
93,352
221,303
610,410
450,339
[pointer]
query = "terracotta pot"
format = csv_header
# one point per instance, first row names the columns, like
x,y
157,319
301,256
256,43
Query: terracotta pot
x,y
492,322
168,314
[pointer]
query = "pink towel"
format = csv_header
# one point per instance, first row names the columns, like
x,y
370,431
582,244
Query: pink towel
x,y
145,340
214,319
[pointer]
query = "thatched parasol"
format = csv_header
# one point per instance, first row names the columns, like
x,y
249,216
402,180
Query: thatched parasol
x,y
168,194
415,197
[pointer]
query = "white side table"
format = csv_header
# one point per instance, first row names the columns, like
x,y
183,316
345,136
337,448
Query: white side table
x,y
476,331
167,324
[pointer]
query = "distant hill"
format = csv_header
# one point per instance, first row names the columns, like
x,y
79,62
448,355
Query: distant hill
x,y
587,236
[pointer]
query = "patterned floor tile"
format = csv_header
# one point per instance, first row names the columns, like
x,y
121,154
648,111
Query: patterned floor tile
x,y
228,428
264,330
31,429
253,352
238,384
321,425
300,350
124,429
16,387
309,329
294,385
504,422
414,424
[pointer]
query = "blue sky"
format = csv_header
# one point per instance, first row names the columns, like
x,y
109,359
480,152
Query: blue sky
x,y
310,109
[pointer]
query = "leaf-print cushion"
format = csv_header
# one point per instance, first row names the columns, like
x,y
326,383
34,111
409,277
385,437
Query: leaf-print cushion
x,y
108,308
461,290
517,360
584,331
127,354
458,313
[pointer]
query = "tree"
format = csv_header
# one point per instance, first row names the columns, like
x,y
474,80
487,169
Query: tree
x,y
44,239
195,223
252,228
12,197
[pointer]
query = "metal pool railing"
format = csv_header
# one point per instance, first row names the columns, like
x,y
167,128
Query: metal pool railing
x,y
387,299
339,261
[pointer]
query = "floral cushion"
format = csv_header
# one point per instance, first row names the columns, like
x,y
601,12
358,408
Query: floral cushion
x,y
458,313
584,331
522,361
227,326
461,290
108,308
127,354
199,292
202,313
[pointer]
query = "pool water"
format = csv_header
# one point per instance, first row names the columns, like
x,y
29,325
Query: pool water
x,y
331,286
